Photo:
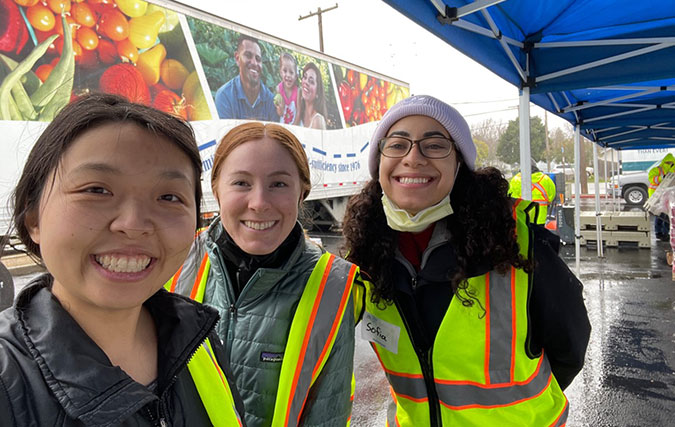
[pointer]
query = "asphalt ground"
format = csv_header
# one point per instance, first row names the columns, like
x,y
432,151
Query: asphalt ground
x,y
629,374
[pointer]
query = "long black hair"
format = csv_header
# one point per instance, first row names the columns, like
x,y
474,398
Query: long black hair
x,y
482,228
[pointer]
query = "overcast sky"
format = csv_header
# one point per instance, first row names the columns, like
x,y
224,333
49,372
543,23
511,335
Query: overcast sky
x,y
371,34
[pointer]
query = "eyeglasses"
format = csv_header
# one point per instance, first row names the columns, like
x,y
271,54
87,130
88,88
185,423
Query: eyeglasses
x,y
433,147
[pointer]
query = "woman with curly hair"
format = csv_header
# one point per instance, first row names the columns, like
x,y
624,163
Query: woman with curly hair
x,y
472,314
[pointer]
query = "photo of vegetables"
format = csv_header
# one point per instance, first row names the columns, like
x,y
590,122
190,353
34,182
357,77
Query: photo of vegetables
x,y
364,98
52,51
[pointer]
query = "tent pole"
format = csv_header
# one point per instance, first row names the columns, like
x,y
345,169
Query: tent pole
x,y
598,214
577,198
524,115
608,182
614,199
617,182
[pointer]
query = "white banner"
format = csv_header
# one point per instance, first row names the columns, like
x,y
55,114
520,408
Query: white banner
x,y
338,159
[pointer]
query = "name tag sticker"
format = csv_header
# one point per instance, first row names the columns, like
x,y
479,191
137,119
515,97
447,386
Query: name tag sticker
x,y
380,332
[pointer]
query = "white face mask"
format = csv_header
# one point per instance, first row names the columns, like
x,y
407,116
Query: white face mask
x,y
400,220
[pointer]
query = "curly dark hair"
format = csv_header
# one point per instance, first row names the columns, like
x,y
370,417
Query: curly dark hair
x,y
482,227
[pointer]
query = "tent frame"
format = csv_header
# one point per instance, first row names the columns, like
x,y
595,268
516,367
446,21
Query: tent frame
x,y
453,16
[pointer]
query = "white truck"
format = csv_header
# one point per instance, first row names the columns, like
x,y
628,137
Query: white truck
x,y
641,160
175,58
632,186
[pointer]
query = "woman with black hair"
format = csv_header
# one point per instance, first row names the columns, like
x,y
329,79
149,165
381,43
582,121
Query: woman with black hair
x,y
109,201
472,314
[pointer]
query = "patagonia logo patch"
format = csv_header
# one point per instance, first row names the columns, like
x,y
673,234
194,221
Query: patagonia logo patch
x,y
266,356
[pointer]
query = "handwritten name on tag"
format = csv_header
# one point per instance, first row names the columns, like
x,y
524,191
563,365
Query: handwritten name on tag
x,y
380,332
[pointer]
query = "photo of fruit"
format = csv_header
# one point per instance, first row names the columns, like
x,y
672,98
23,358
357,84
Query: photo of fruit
x,y
364,98
127,47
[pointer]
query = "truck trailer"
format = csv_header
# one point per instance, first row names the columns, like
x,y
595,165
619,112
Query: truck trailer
x,y
176,58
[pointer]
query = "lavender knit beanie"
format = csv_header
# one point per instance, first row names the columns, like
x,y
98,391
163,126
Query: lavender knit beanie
x,y
424,105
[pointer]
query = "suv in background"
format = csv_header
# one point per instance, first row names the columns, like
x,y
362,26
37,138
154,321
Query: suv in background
x,y
632,186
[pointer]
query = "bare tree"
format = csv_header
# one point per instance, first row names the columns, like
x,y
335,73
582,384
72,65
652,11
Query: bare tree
x,y
489,131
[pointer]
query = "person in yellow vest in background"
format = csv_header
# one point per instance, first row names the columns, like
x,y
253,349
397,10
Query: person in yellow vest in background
x,y
109,201
543,191
287,308
472,314
656,175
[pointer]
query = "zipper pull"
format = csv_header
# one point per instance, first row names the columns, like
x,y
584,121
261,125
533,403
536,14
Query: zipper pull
x,y
414,282
163,423
230,327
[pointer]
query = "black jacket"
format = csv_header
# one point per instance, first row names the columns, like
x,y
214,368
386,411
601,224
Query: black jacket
x,y
53,374
558,321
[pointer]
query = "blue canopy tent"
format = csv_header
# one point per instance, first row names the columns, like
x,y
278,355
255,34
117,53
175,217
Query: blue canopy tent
x,y
606,66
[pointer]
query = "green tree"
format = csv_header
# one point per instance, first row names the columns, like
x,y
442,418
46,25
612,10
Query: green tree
x,y
562,146
508,149
482,151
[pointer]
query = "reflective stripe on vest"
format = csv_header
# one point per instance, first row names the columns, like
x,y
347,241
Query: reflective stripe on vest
x,y
213,387
478,381
501,388
313,331
543,201
542,191
312,335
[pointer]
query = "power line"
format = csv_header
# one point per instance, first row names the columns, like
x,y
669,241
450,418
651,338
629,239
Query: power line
x,y
490,112
485,102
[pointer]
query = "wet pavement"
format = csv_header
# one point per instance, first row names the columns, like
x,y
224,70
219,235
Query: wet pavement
x,y
629,375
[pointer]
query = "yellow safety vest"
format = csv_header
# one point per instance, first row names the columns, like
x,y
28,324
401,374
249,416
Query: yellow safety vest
x,y
543,193
213,388
480,373
657,173
313,330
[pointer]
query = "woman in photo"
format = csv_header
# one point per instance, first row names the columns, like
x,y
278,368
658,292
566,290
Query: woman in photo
x,y
109,200
312,111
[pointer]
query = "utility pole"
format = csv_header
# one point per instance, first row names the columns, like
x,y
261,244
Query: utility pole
x,y
318,13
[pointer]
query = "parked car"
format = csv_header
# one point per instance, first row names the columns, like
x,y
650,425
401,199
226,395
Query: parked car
x,y
568,170
632,186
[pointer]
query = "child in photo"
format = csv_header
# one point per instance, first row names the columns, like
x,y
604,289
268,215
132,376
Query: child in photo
x,y
287,91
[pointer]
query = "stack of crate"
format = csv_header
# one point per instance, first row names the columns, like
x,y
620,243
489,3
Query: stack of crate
x,y
626,229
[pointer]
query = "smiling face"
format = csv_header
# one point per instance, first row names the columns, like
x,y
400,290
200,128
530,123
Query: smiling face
x,y
259,192
116,219
249,60
288,74
309,84
414,182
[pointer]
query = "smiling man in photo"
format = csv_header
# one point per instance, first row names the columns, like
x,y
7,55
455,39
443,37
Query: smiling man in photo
x,y
246,96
